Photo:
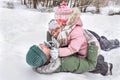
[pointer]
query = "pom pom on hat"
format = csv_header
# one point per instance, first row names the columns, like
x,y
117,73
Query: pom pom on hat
x,y
63,9
63,12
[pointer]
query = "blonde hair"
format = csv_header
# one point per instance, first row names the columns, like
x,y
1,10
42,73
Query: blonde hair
x,y
74,16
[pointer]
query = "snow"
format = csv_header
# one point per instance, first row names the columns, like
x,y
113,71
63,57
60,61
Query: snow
x,y
108,9
21,28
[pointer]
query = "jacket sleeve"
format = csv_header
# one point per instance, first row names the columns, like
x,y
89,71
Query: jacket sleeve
x,y
76,41
49,68
48,38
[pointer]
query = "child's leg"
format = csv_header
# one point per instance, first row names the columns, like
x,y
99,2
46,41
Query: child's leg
x,y
79,65
107,45
102,67
114,43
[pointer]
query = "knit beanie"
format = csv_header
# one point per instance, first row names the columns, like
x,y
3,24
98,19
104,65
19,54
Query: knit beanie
x,y
35,57
52,25
63,12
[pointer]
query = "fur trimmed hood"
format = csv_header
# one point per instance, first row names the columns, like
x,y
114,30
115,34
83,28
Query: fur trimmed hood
x,y
74,18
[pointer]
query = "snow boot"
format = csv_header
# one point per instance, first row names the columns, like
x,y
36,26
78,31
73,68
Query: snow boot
x,y
114,44
110,67
103,67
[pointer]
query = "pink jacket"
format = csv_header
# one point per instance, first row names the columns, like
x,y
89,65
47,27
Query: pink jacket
x,y
76,42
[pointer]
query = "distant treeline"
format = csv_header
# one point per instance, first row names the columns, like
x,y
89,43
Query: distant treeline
x,y
82,4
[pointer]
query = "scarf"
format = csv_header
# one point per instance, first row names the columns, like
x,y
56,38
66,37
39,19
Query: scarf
x,y
62,37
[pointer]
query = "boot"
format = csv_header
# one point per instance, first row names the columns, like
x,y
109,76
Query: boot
x,y
117,42
114,44
103,67
106,69
110,67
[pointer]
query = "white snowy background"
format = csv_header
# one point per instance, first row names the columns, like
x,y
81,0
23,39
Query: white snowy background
x,y
20,28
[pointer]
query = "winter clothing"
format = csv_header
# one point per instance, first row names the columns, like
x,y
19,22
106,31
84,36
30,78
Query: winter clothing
x,y
103,67
35,57
95,34
63,9
54,53
62,37
72,63
73,37
49,68
80,65
53,49
106,44
73,43
63,12
74,47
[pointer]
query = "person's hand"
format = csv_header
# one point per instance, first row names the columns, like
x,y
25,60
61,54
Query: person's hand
x,y
50,44
53,49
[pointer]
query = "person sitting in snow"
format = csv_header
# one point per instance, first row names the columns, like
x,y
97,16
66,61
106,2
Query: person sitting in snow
x,y
105,44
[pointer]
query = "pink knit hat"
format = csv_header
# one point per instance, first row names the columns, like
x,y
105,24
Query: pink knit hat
x,y
63,12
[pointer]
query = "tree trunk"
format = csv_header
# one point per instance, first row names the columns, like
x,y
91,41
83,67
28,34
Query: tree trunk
x,y
35,4
75,3
97,6
24,2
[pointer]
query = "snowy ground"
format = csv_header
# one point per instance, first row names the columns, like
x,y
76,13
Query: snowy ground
x,y
20,28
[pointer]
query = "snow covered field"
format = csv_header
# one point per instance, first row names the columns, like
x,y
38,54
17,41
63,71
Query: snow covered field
x,y
21,28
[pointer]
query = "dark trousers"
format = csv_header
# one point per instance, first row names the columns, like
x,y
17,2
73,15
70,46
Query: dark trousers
x,y
106,44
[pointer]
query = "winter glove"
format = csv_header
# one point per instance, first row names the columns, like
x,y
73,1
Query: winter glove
x,y
54,49
54,53
50,44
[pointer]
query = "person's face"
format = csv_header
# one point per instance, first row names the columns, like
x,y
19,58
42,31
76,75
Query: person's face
x,y
45,50
56,31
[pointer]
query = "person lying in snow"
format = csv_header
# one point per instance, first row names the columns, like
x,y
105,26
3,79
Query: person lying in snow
x,y
53,26
44,59
44,62
66,50
67,31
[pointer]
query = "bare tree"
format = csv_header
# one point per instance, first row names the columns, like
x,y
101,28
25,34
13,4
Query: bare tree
x,y
100,3
24,2
35,4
